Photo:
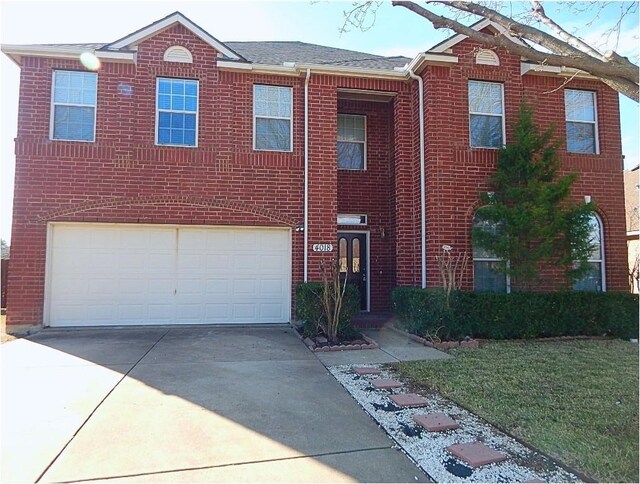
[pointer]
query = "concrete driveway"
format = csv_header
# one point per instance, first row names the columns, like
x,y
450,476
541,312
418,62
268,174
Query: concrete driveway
x,y
184,404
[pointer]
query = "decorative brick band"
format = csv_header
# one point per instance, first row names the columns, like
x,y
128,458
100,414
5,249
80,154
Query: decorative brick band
x,y
234,205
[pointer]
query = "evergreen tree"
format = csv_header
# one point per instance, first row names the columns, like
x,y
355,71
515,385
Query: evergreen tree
x,y
528,219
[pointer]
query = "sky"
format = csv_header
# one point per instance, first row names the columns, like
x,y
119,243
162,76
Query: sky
x,y
394,31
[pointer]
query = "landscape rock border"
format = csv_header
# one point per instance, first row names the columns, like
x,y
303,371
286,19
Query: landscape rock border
x,y
370,344
444,345
429,450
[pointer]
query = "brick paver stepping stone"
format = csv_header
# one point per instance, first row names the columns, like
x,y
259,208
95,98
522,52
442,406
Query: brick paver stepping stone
x,y
476,454
436,422
408,400
384,384
367,371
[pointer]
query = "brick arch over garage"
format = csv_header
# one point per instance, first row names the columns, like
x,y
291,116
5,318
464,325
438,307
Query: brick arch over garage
x,y
206,202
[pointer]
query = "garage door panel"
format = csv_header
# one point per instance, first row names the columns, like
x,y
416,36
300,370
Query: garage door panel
x,y
216,287
244,312
273,287
217,311
162,287
101,287
141,274
245,262
244,287
188,262
105,238
161,262
270,311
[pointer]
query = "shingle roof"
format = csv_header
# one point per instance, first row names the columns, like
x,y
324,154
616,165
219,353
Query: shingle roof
x,y
75,46
275,53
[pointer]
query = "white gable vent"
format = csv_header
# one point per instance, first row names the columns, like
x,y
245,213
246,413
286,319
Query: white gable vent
x,y
487,57
178,54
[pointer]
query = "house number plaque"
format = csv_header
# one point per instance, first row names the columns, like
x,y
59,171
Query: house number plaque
x,y
322,247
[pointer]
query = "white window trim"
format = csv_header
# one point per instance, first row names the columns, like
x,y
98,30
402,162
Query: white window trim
x,y
53,104
290,119
197,113
504,130
594,122
364,162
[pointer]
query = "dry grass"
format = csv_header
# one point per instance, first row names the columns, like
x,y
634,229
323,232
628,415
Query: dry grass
x,y
576,400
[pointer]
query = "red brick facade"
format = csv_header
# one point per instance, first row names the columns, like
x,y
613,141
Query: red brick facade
x,y
124,177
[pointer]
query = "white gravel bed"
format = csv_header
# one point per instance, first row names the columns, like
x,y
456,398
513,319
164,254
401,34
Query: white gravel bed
x,y
429,449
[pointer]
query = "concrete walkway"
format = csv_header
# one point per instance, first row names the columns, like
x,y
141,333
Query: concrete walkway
x,y
394,347
185,404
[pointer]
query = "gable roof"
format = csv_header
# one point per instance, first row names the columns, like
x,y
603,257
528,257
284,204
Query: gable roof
x,y
478,26
139,35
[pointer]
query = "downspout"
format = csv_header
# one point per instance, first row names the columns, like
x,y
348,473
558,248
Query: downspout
x,y
306,176
423,222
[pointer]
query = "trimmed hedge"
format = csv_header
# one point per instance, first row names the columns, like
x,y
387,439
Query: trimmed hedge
x,y
309,308
516,315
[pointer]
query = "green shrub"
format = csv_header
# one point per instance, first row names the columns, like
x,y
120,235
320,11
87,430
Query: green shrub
x,y
516,315
309,309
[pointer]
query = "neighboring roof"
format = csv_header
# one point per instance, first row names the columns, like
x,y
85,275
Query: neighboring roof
x,y
277,53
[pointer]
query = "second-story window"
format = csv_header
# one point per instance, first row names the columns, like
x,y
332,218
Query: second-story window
x,y
272,118
582,128
486,114
177,112
73,111
352,142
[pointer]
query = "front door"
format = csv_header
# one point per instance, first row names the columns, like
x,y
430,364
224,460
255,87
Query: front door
x,y
352,254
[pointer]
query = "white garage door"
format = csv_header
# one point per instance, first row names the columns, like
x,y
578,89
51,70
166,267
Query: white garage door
x,y
120,274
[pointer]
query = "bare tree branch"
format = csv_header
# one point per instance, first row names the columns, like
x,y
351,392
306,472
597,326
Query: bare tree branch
x,y
616,71
539,13
627,70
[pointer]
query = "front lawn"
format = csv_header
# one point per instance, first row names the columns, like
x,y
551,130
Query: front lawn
x,y
575,400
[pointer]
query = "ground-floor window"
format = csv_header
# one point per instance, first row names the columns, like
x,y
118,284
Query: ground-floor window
x,y
487,276
594,279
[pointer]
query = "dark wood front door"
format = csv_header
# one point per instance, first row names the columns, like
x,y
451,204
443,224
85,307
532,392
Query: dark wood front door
x,y
352,254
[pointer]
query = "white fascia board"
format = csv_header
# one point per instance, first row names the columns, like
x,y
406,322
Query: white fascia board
x,y
258,68
16,52
426,58
299,69
352,71
458,38
448,44
152,29
533,68
115,56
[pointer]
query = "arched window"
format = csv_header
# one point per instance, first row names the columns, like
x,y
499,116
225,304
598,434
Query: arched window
x,y
594,279
486,274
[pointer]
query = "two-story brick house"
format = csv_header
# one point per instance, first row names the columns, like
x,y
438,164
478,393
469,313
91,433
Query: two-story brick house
x,y
186,180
